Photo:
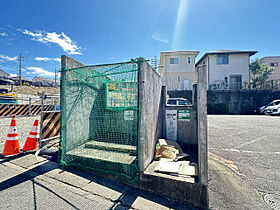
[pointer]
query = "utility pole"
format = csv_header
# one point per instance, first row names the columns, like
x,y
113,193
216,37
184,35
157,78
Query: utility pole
x,y
20,59
154,62
55,77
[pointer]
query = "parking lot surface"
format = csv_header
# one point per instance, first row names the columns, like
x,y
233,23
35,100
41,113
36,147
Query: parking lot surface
x,y
244,160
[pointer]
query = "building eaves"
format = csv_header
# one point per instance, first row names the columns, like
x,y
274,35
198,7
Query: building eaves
x,y
225,52
22,78
3,73
180,52
271,57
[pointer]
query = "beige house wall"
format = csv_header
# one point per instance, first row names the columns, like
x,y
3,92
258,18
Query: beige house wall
x,y
181,75
268,60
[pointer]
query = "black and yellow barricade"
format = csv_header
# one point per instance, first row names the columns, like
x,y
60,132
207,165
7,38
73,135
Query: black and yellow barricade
x,y
50,124
22,109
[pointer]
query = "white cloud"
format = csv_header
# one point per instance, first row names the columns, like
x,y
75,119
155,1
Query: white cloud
x,y
57,59
13,75
47,59
62,40
39,71
3,34
7,58
159,39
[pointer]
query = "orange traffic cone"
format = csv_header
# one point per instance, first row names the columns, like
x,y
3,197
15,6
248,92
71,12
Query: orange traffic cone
x,y
12,144
31,141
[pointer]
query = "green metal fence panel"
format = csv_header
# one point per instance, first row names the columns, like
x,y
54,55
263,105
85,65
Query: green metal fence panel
x,y
99,118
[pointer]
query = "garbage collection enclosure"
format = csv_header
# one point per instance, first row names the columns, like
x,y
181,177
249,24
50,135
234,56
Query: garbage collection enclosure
x,y
100,118
113,115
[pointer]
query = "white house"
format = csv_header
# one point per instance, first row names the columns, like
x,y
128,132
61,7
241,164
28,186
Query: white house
x,y
227,69
177,69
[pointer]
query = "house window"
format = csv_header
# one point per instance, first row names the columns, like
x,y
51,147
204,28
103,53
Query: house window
x,y
222,59
174,60
189,60
170,79
179,78
274,64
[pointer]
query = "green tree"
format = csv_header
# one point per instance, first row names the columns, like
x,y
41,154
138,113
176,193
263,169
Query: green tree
x,y
260,73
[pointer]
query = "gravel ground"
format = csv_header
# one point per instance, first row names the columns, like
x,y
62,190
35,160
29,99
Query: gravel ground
x,y
24,125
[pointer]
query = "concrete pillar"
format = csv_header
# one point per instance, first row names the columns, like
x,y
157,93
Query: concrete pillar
x,y
194,95
202,125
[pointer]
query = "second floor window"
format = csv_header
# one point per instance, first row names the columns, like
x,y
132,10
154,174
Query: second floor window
x,y
189,60
222,59
174,60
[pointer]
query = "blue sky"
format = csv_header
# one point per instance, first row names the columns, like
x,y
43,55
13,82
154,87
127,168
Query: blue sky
x,y
108,31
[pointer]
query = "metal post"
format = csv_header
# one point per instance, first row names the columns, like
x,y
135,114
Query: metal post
x,y
41,121
29,106
54,103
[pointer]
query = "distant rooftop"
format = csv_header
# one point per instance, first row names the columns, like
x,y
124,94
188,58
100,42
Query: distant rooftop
x,y
181,52
36,78
271,57
226,52
3,73
22,78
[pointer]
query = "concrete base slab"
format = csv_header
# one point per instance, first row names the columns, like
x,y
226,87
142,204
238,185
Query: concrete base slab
x,y
9,172
107,191
45,185
28,160
150,171
139,200
178,188
111,147
110,156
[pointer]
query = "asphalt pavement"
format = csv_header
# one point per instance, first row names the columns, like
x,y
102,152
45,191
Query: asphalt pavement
x,y
31,182
244,161
244,169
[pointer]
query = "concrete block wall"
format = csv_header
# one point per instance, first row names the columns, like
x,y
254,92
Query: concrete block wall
x,y
186,130
151,114
232,101
67,63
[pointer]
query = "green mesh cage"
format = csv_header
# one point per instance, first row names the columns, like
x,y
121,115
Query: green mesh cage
x,y
99,118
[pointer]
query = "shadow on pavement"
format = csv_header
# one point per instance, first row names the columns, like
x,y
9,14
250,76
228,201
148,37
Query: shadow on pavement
x,y
128,193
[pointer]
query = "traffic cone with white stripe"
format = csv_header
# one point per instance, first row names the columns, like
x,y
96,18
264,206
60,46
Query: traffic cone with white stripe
x,y
31,141
12,144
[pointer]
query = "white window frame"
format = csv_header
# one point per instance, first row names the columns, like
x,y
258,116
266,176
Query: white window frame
x,y
222,61
174,60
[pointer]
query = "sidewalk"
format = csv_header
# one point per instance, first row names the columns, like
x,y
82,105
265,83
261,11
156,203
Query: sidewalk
x,y
31,182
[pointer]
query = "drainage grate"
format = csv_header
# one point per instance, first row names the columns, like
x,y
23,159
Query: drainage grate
x,y
273,201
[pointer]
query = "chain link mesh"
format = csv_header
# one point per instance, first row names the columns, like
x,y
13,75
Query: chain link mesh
x,y
99,118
